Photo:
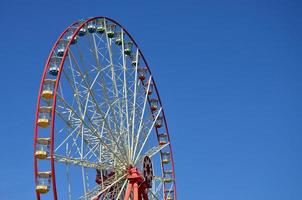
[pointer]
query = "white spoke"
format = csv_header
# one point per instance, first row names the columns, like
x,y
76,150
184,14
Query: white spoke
x,y
141,119
134,103
148,134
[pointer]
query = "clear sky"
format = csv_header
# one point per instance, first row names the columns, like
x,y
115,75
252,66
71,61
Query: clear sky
x,y
229,75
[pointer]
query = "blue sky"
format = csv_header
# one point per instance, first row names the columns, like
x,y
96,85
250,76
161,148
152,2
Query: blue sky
x,y
229,75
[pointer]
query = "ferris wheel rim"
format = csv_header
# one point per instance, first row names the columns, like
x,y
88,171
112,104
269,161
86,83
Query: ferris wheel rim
x,y
52,125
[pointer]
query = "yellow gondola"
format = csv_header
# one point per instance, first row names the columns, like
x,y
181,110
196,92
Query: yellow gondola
x,y
44,115
43,184
48,88
42,150
162,139
165,157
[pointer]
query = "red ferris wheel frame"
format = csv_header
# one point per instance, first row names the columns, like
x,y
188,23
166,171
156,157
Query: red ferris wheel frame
x,y
52,120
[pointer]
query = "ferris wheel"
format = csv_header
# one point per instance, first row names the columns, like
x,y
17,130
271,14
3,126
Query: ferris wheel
x,y
100,127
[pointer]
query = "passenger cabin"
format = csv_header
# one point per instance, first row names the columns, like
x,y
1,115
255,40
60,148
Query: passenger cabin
x,y
61,47
100,28
42,149
169,194
82,31
142,73
128,48
110,30
44,116
153,104
168,172
91,27
118,38
150,90
163,139
48,88
135,60
70,33
165,157
168,180
159,122
43,182
54,65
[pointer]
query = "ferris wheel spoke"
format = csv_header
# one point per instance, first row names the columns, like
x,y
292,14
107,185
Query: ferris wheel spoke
x,y
134,106
113,78
97,106
86,81
67,137
153,196
91,151
125,89
80,106
141,119
98,190
147,136
101,40
84,181
75,91
153,151
156,190
94,131
103,82
170,191
95,53
81,162
74,138
122,189
73,84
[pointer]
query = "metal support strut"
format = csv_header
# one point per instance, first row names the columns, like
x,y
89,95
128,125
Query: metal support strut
x,y
136,186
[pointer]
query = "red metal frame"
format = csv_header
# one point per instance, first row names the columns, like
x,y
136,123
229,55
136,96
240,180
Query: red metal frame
x,y
130,186
136,186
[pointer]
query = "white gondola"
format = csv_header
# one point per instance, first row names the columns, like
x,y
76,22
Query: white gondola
x,y
91,27
54,65
61,47
100,25
70,33
128,48
118,38
135,60
82,31
111,30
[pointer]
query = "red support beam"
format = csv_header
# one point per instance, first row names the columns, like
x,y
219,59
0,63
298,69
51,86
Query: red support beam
x,y
136,186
